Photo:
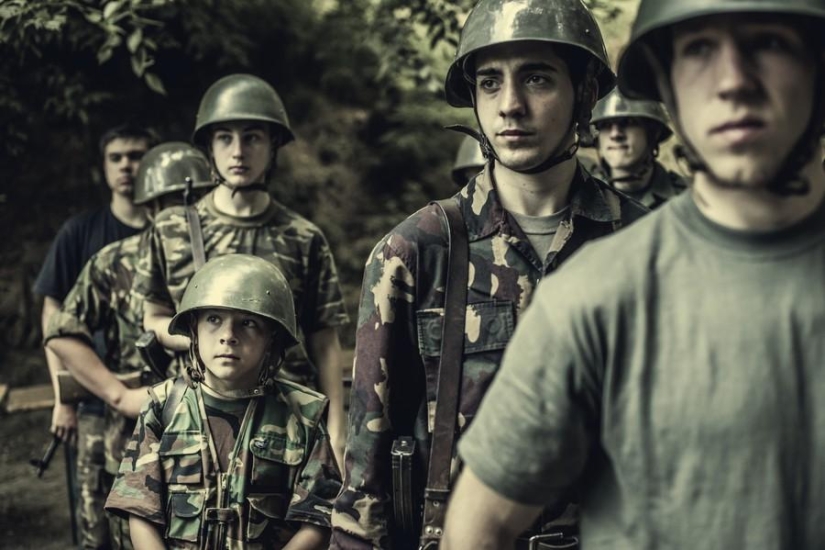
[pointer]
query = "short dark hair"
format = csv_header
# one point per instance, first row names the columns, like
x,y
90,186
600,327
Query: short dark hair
x,y
128,130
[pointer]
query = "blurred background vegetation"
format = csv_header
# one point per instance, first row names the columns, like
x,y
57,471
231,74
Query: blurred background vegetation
x,y
362,81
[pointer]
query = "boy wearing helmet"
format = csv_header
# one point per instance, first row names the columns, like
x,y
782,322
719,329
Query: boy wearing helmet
x,y
531,70
101,300
469,160
241,124
234,457
629,134
683,395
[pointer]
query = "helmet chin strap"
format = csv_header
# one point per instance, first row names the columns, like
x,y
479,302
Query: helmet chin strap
x,y
788,179
644,168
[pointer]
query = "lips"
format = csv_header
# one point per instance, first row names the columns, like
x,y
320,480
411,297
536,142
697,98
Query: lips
x,y
227,356
747,123
514,133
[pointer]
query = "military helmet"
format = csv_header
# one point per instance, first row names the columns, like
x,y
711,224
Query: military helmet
x,y
240,97
615,105
469,156
494,22
165,168
637,79
239,282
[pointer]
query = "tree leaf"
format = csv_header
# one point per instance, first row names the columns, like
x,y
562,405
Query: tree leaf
x,y
134,40
154,82
94,16
104,54
111,8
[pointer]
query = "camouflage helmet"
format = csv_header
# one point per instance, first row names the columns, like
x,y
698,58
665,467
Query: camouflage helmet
x,y
494,22
165,168
637,79
469,156
239,282
240,97
615,105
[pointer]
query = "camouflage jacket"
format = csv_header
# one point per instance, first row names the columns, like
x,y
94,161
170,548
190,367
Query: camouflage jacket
x,y
398,336
101,300
664,185
285,472
279,235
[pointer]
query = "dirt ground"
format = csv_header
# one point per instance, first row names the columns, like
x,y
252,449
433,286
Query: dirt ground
x,y
33,512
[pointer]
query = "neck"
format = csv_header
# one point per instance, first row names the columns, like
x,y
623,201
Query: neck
x,y
758,209
535,194
127,212
635,181
244,204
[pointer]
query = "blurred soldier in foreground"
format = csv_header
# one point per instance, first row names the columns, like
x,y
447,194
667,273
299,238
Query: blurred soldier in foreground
x,y
469,161
79,238
102,300
241,124
532,71
235,458
683,396
629,134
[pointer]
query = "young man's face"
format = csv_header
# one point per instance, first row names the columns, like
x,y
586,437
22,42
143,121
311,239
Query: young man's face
x,y
622,142
121,159
744,93
524,99
232,345
242,151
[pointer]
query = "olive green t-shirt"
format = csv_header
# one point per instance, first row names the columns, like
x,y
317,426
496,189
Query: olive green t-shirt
x,y
674,376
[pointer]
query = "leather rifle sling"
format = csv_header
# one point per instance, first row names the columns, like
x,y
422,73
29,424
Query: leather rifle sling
x,y
195,236
449,377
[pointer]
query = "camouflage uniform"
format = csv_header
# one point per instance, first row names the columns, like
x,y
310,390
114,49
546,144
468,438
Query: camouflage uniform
x,y
664,185
101,300
399,331
286,473
295,245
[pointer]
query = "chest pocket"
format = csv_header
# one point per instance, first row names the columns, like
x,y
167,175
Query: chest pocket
x,y
276,460
488,326
180,458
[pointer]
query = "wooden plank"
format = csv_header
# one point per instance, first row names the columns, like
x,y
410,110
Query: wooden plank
x,y
30,398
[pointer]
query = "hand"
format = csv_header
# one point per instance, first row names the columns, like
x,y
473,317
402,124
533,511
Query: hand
x,y
130,401
64,422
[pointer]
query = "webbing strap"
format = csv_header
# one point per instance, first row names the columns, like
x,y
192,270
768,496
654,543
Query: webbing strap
x,y
195,236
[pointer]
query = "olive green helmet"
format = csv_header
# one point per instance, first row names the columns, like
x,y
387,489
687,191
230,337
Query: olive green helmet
x,y
469,156
165,168
241,97
637,79
492,22
239,282
616,105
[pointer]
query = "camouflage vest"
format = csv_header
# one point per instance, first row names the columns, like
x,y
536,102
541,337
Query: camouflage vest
x,y
257,492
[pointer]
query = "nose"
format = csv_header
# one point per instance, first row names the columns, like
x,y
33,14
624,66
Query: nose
x,y
735,71
616,131
237,147
511,100
228,334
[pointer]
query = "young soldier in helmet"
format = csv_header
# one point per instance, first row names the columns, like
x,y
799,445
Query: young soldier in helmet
x,y
241,124
237,458
684,395
101,300
469,160
532,71
629,134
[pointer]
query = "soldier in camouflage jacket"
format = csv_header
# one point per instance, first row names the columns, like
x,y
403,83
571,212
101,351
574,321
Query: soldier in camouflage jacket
x,y
267,477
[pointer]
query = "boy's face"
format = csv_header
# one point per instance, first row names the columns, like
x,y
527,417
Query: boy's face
x,y
121,159
622,142
242,151
232,345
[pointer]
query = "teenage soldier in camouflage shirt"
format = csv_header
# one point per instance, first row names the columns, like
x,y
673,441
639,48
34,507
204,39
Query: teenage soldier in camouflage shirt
x,y
533,70
235,458
241,124
101,299
629,134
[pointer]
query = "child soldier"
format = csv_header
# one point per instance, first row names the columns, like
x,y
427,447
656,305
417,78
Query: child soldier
x,y
233,458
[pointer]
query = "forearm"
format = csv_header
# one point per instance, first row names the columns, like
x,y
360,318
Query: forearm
x,y
89,371
309,537
50,307
156,317
325,352
145,535
479,518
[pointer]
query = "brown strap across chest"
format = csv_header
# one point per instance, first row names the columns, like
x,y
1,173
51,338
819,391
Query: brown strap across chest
x,y
449,377
195,236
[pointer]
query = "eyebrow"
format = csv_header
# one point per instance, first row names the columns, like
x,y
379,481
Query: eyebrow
x,y
250,128
527,67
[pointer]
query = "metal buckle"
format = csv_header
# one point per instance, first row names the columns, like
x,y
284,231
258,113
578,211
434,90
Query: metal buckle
x,y
534,541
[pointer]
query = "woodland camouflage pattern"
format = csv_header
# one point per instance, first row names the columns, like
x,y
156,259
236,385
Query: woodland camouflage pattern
x,y
287,473
279,235
399,331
